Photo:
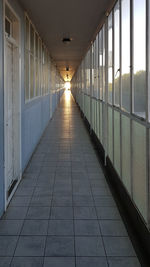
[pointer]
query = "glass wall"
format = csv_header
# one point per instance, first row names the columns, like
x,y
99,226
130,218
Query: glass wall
x,y
103,30
37,64
110,58
117,54
101,64
118,116
139,57
125,55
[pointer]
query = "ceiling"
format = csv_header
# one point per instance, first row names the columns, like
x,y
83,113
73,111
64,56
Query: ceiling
x,y
75,19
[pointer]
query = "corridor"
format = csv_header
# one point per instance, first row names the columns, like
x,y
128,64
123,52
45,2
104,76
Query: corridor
x,y
63,213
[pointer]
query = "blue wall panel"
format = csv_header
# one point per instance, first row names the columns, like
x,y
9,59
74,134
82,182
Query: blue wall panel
x,y
34,120
35,115
45,110
1,113
53,102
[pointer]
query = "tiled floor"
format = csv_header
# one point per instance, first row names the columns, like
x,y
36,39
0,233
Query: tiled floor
x,y
63,214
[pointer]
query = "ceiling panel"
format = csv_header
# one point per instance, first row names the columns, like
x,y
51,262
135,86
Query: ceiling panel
x,y
77,19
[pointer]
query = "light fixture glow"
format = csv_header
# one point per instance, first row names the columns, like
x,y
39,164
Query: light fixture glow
x,y
67,85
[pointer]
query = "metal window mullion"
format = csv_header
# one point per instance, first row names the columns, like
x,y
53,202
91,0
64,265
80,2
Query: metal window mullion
x,y
105,117
120,84
101,77
147,108
120,59
131,57
90,63
113,93
131,92
96,50
98,68
148,58
29,63
34,67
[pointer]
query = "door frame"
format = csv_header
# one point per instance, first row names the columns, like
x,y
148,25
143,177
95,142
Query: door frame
x,y
7,199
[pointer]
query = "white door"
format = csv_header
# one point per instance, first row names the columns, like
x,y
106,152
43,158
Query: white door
x,y
12,116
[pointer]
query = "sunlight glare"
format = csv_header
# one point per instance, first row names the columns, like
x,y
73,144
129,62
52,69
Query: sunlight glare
x,y
67,96
67,85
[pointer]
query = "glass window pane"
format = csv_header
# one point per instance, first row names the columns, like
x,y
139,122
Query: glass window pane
x,y
27,34
101,122
36,78
36,45
117,54
27,75
31,39
89,69
126,155
110,134
40,49
97,67
95,89
110,72
92,70
125,40
101,63
139,167
31,76
98,119
117,141
139,55
104,62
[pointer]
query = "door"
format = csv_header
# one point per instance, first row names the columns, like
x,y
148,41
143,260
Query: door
x,y
9,134
12,116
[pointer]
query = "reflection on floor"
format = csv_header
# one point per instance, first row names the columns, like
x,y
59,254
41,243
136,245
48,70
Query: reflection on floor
x,y
63,214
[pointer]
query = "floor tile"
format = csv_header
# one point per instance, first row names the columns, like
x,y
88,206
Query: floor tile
x,y
88,213
15,213
43,201
29,182
18,201
123,262
118,246
83,201
108,213
24,191
112,228
62,201
87,228
27,262
30,246
10,227
62,189
41,213
91,262
64,193
59,246
7,245
35,227
59,262
61,227
89,246
43,191
104,201
61,213
5,261
100,191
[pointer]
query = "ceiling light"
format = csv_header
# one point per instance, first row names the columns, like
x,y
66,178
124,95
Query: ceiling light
x,y
66,40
